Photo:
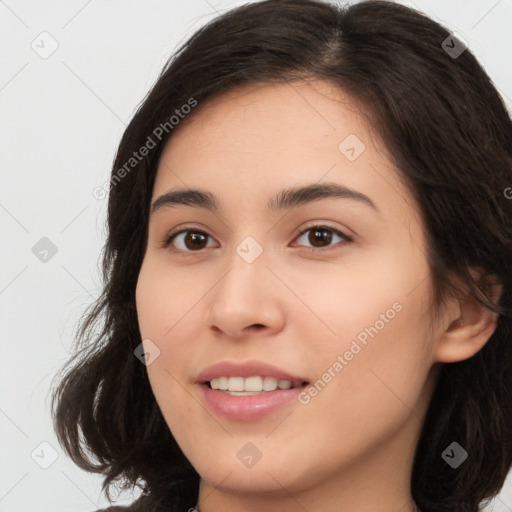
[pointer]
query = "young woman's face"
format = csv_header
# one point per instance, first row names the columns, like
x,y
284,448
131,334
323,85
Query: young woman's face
x,y
277,286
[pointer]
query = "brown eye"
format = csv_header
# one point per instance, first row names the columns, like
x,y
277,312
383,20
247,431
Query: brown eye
x,y
322,236
189,240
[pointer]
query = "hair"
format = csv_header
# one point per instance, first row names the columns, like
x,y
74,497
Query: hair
x,y
450,135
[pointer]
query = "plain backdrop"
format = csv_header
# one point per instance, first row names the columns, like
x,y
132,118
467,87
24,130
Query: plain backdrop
x,y
71,76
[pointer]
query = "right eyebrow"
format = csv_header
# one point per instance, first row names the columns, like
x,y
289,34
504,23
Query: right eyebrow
x,y
190,197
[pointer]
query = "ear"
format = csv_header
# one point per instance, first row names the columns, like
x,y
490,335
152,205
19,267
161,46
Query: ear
x,y
467,326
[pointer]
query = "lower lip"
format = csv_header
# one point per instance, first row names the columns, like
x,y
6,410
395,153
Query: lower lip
x,y
248,407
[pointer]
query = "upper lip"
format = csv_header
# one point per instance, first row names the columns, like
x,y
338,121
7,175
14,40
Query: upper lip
x,y
247,369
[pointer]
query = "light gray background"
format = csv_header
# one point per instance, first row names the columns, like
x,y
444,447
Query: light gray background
x,y
61,119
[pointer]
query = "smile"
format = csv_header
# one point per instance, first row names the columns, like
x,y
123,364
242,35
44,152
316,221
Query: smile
x,y
247,391
249,385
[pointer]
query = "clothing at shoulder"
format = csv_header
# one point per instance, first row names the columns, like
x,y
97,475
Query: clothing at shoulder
x,y
144,503
116,509
133,507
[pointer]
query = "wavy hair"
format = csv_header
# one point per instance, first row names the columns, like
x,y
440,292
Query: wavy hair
x,y
446,129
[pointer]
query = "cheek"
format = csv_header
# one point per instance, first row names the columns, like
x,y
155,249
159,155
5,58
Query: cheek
x,y
166,300
365,392
169,316
364,292
377,316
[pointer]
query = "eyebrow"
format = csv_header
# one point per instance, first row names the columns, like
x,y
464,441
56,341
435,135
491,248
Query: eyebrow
x,y
287,198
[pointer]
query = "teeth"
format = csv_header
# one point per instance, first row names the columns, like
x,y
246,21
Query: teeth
x,y
284,384
223,383
236,384
269,384
254,384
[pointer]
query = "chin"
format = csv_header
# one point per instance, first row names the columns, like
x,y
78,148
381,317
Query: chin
x,y
263,477
246,481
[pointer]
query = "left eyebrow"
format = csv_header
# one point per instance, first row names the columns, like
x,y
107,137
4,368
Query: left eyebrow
x,y
287,198
292,197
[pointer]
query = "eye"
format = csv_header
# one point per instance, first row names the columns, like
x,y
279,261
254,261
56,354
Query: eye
x,y
193,241
321,236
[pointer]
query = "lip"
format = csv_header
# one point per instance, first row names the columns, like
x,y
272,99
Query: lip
x,y
247,369
248,407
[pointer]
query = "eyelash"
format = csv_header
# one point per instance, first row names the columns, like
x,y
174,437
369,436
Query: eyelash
x,y
170,238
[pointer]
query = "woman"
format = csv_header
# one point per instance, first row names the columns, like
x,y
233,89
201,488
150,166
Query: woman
x,y
307,274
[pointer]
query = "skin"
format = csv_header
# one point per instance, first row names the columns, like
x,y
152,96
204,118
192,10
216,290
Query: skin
x,y
351,446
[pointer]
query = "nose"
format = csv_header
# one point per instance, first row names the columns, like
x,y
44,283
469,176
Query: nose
x,y
246,300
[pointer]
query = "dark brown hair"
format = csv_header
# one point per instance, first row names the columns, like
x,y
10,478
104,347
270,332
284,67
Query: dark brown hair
x,y
446,129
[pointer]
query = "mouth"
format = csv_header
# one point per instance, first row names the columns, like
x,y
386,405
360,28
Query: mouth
x,y
254,385
248,391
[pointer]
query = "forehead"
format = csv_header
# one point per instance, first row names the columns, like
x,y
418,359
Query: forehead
x,y
295,117
255,140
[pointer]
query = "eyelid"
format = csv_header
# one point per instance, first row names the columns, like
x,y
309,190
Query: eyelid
x,y
169,237
312,224
320,225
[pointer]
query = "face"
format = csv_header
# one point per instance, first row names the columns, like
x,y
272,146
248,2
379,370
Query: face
x,y
327,290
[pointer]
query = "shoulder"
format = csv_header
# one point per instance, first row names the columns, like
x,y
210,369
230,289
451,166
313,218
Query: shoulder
x,y
142,501
118,508
115,509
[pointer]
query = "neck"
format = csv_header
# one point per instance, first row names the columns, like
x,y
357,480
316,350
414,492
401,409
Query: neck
x,y
414,508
